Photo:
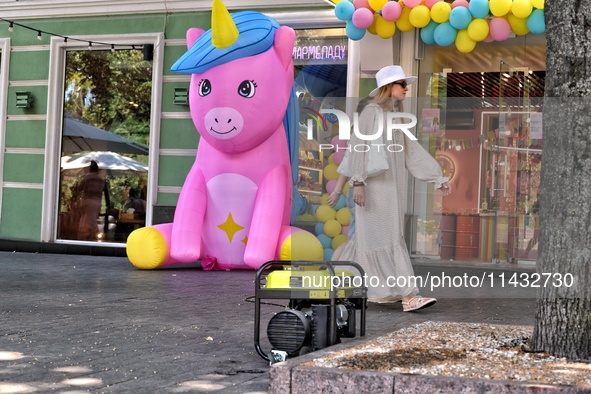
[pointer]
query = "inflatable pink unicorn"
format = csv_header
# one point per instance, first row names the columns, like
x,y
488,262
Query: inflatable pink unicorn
x,y
234,208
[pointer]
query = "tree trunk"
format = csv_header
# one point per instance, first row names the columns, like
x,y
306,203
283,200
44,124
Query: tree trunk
x,y
563,318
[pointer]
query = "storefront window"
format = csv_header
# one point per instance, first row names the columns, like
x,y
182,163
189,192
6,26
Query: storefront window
x,y
104,154
485,129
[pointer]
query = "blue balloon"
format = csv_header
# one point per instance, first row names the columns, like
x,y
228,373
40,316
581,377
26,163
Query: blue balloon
x,y
341,203
325,240
328,252
445,34
353,32
460,18
536,23
479,8
344,10
319,228
427,33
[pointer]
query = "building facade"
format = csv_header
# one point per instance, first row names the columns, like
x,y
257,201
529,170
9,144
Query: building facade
x,y
478,107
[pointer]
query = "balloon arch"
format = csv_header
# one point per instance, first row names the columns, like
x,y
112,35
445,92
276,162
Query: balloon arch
x,y
461,22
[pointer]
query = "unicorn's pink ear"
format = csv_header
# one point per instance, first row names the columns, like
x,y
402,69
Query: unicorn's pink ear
x,y
283,43
192,35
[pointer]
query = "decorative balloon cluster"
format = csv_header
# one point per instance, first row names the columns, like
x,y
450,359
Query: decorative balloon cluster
x,y
333,222
462,22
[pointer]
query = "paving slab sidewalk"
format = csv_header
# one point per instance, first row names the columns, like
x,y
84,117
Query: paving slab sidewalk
x,y
72,323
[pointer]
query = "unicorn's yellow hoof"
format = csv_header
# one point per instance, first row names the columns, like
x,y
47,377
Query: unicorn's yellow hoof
x,y
146,248
301,246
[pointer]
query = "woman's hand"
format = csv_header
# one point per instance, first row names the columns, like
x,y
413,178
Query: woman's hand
x,y
359,195
333,198
445,188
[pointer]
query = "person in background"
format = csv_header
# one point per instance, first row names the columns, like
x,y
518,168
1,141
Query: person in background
x,y
137,203
378,243
90,191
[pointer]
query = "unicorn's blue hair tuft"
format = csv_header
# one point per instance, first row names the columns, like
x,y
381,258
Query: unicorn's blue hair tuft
x,y
256,35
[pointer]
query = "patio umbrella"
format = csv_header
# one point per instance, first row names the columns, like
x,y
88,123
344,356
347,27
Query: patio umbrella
x,y
110,162
78,136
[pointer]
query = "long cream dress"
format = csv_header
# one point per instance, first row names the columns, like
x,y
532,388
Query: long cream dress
x,y
378,243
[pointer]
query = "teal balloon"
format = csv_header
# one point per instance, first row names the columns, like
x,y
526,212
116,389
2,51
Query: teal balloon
x,y
428,32
341,203
460,18
344,10
479,8
444,34
325,240
536,23
328,252
319,228
353,32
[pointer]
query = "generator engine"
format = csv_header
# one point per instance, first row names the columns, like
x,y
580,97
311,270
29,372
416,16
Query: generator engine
x,y
319,313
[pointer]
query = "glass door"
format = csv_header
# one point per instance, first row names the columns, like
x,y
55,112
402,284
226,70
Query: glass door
x,y
513,160
104,153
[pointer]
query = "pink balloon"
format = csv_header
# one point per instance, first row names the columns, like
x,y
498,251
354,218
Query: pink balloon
x,y
412,3
337,142
500,29
338,156
391,11
345,230
460,3
431,3
362,4
488,38
330,185
362,18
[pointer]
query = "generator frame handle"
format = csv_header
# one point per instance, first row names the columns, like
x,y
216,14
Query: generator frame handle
x,y
333,296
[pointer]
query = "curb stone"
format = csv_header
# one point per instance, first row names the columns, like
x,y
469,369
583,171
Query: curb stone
x,y
293,376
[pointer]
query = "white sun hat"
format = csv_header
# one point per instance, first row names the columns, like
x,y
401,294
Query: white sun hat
x,y
390,74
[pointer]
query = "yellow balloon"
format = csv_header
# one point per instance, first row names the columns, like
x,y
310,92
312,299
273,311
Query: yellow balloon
x,y
500,7
372,28
377,5
539,4
330,172
324,213
440,12
478,29
338,240
324,199
464,43
420,16
384,28
518,25
332,228
403,22
301,247
521,8
345,188
331,159
343,216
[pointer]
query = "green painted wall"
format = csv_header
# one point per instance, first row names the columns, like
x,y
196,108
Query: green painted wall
x,y
25,134
178,134
21,214
37,65
23,168
168,198
173,170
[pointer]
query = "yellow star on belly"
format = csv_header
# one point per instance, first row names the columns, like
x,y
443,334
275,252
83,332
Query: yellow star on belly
x,y
230,227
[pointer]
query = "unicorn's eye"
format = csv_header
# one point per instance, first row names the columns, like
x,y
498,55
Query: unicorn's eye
x,y
204,87
247,89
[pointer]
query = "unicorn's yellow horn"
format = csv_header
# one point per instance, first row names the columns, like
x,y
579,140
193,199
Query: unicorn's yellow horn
x,y
223,29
